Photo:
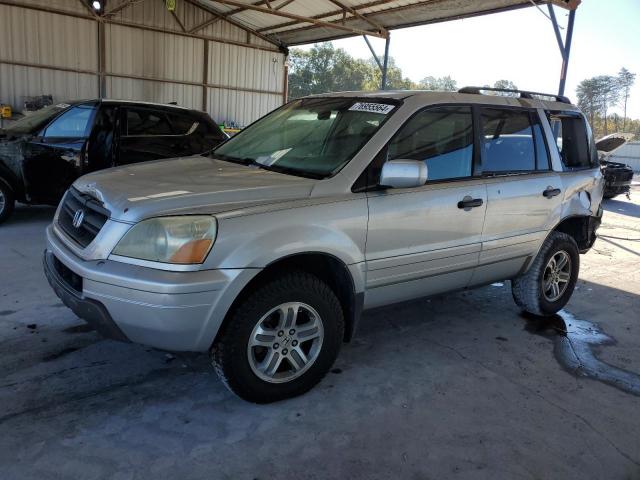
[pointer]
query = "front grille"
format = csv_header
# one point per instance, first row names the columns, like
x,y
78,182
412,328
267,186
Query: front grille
x,y
95,216
71,278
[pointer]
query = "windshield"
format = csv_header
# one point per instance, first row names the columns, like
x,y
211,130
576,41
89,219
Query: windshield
x,y
36,120
312,137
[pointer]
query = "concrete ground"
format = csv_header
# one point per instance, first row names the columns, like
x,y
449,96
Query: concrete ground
x,y
460,386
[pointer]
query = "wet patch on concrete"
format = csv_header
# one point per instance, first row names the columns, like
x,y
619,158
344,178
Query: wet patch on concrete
x,y
4,313
575,347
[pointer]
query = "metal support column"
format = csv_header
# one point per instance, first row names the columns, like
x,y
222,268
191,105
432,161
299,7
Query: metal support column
x,y
383,84
565,47
102,81
385,61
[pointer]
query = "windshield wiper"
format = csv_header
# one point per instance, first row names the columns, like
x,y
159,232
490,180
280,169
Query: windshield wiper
x,y
292,171
228,158
272,168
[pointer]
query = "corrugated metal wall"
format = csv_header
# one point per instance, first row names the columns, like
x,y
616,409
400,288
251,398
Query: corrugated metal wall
x,y
241,84
35,37
629,154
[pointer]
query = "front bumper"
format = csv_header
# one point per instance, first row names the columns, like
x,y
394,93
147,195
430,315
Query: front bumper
x,y
179,311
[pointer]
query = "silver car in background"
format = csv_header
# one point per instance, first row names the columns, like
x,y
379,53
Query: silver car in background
x,y
266,252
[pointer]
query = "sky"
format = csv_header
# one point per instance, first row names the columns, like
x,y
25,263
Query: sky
x,y
520,46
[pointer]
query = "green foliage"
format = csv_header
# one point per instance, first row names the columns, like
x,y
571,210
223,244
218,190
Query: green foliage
x,y
325,68
598,95
508,84
441,84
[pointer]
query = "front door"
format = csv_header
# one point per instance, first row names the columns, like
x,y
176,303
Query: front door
x,y
55,158
426,240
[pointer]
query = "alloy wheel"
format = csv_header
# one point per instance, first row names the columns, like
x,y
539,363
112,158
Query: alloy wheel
x,y
285,342
557,275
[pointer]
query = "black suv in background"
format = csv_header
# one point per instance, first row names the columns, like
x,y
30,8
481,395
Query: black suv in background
x,y
43,153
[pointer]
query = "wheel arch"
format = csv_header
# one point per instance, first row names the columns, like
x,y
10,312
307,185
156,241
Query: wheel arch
x,y
9,178
330,269
579,227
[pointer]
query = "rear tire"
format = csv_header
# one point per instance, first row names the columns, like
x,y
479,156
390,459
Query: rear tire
x,y
548,284
281,340
7,200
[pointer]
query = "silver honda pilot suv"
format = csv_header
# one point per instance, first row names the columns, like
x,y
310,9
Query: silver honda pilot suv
x,y
266,252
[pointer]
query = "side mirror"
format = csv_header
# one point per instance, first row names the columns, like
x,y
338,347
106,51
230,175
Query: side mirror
x,y
403,174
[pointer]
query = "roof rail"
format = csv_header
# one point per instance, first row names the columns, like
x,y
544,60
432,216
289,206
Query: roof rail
x,y
523,93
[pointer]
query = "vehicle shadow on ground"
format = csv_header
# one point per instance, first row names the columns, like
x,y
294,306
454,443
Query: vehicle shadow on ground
x,y
79,370
30,214
621,207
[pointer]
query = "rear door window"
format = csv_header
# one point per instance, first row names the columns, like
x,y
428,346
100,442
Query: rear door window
x,y
508,144
147,122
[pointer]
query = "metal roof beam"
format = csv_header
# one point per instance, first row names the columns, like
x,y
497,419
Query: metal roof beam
x,y
122,6
355,13
205,24
300,18
233,22
178,21
333,13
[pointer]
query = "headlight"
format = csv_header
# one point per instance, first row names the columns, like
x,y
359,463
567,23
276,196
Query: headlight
x,y
185,240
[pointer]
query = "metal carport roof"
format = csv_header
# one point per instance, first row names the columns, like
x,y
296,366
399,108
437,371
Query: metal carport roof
x,y
295,22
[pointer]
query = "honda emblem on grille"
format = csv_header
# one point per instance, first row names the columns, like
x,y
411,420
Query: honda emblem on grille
x,y
78,218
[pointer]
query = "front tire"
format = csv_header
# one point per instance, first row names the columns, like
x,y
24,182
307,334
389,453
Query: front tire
x,y
548,284
7,200
281,340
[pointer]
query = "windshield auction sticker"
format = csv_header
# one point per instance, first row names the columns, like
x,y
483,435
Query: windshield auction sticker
x,y
382,108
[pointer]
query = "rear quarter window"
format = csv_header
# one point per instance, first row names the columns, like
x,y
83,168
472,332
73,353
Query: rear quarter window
x,y
573,140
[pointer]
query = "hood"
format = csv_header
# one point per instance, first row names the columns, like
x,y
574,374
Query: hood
x,y
609,144
188,185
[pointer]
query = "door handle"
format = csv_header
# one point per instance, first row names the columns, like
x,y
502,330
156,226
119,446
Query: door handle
x,y
551,192
468,202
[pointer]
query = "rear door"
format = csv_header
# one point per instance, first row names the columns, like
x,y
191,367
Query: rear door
x,y
57,156
199,133
524,193
147,134
427,239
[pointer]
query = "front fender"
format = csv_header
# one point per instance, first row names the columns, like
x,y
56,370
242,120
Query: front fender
x,y
338,229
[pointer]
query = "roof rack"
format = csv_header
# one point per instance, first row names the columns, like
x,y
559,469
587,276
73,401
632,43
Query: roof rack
x,y
523,93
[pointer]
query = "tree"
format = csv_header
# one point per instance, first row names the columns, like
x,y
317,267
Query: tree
x,y
395,80
442,84
588,93
597,95
508,84
325,68
609,95
626,79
